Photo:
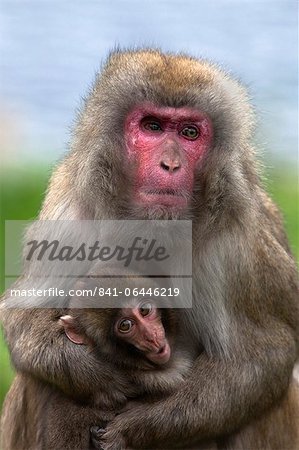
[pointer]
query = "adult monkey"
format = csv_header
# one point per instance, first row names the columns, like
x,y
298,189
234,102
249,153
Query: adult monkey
x,y
165,136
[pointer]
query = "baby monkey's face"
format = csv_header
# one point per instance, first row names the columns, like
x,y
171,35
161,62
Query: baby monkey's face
x,y
138,323
142,327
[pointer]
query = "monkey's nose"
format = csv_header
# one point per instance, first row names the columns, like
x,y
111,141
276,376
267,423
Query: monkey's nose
x,y
170,165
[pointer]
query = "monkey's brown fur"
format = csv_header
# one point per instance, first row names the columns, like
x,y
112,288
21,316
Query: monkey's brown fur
x,y
37,415
245,284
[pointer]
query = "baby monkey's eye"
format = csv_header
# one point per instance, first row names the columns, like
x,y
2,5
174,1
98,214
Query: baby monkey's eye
x,y
125,326
145,309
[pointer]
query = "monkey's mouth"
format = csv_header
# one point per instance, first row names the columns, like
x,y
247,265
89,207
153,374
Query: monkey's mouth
x,y
162,356
165,197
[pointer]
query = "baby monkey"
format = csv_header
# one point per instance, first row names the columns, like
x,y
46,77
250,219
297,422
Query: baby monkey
x,y
139,341
135,353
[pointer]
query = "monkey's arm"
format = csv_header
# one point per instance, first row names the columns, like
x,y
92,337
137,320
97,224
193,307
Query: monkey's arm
x,y
38,346
37,416
219,396
66,424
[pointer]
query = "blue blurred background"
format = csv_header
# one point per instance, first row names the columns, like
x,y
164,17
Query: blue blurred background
x,y
51,49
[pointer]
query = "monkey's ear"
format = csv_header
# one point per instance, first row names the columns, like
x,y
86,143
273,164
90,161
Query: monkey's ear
x,y
71,330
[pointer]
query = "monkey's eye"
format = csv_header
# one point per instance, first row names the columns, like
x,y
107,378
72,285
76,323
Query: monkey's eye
x,y
151,124
145,309
190,132
125,326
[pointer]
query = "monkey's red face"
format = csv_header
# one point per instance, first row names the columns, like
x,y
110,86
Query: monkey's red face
x,y
166,144
142,327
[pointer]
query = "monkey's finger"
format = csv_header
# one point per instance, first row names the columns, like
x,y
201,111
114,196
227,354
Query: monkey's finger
x,y
97,431
96,435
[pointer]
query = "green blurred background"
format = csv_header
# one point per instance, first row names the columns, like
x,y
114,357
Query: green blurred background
x,y
22,191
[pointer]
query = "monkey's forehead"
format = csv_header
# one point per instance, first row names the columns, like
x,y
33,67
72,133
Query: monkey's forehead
x,y
177,70
167,79
168,75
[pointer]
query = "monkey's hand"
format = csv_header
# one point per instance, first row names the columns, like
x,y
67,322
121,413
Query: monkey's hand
x,y
103,439
117,434
206,406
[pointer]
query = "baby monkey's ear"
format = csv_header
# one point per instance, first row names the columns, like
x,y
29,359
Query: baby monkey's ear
x,y
70,326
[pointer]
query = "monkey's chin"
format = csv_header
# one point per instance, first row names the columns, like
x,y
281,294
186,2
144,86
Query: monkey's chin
x,y
157,207
158,199
160,357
